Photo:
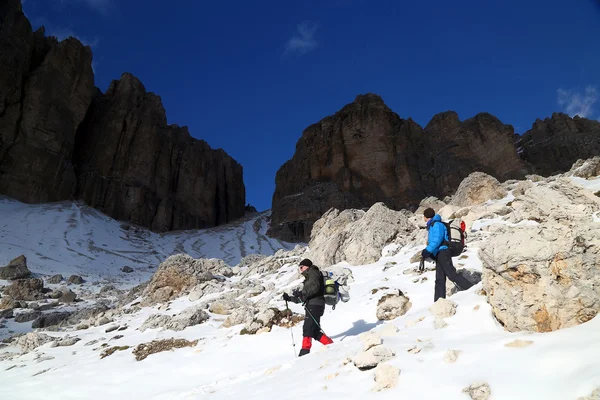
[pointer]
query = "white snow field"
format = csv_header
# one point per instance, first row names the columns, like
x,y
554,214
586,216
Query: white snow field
x,y
69,238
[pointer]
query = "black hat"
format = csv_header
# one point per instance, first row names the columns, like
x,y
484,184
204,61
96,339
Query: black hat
x,y
429,213
306,262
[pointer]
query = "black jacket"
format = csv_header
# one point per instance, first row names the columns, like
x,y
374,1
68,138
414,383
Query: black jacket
x,y
313,290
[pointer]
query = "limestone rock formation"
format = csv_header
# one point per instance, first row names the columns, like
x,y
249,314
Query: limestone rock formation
x,y
478,188
179,274
356,236
60,139
365,154
552,145
543,276
133,166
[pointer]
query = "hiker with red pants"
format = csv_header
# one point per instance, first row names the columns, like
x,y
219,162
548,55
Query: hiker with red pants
x,y
314,304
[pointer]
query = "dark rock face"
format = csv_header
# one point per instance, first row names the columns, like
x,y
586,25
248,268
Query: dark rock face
x,y
366,153
553,145
16,269
135,167
130,163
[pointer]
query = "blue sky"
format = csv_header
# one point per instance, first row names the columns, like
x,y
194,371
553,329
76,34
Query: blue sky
x,y
249,76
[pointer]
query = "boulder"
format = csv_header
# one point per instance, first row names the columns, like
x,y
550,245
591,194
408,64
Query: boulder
x,y
392,305
386,377
370,339
224,306
179,274
66,295
355,236
443,308
543,277
7,313
265,320
191,316
127,269
55,279
65,342
478,188
478,391
594,396
241,315
33,340
473,276
585,168
429,202
50,319
25,289
371,358
16,269
27,316
76,279
204,289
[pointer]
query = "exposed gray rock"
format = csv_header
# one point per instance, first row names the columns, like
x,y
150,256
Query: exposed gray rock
x,y
242,315
50,319
76,279
356,236
55,279
204,289
66,295
443,308
65,342
25,289
6,313
478,188
33,340
478,391
386,377
371,358
191,316
180,273
127,269
392,304
27,316
16,269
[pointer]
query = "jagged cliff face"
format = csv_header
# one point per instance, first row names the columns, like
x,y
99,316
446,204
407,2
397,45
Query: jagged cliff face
x,y
365,153
60,138
552,145
46,89
134,166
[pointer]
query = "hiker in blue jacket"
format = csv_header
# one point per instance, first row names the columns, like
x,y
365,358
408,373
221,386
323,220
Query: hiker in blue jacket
x,y
438,251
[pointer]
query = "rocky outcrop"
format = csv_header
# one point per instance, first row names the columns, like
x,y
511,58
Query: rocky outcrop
x,y
478,188
60,138
543,276
133,166
47,87
356,236
179,274
365,154
16,269
552,145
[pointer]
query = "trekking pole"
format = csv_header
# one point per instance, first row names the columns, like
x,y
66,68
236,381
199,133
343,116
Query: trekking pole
x,y
291,330
319,326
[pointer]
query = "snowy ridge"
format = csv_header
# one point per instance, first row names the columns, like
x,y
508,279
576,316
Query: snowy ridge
x,y
560,365
72,238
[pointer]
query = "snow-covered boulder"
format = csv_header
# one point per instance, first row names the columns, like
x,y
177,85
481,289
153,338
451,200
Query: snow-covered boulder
x,y
33,340
589,168
356,236
180,273
443,308
370,339
369,359
478,188
392,304
478,391
386,377
189,317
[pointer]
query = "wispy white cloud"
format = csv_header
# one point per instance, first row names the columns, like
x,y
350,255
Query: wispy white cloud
x,y
578,103
304,40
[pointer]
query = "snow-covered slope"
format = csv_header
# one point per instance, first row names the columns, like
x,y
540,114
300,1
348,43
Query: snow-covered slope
x,y
72,238
559,365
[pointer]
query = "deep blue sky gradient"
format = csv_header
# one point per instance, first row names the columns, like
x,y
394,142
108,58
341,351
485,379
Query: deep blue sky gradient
x,y
227,70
